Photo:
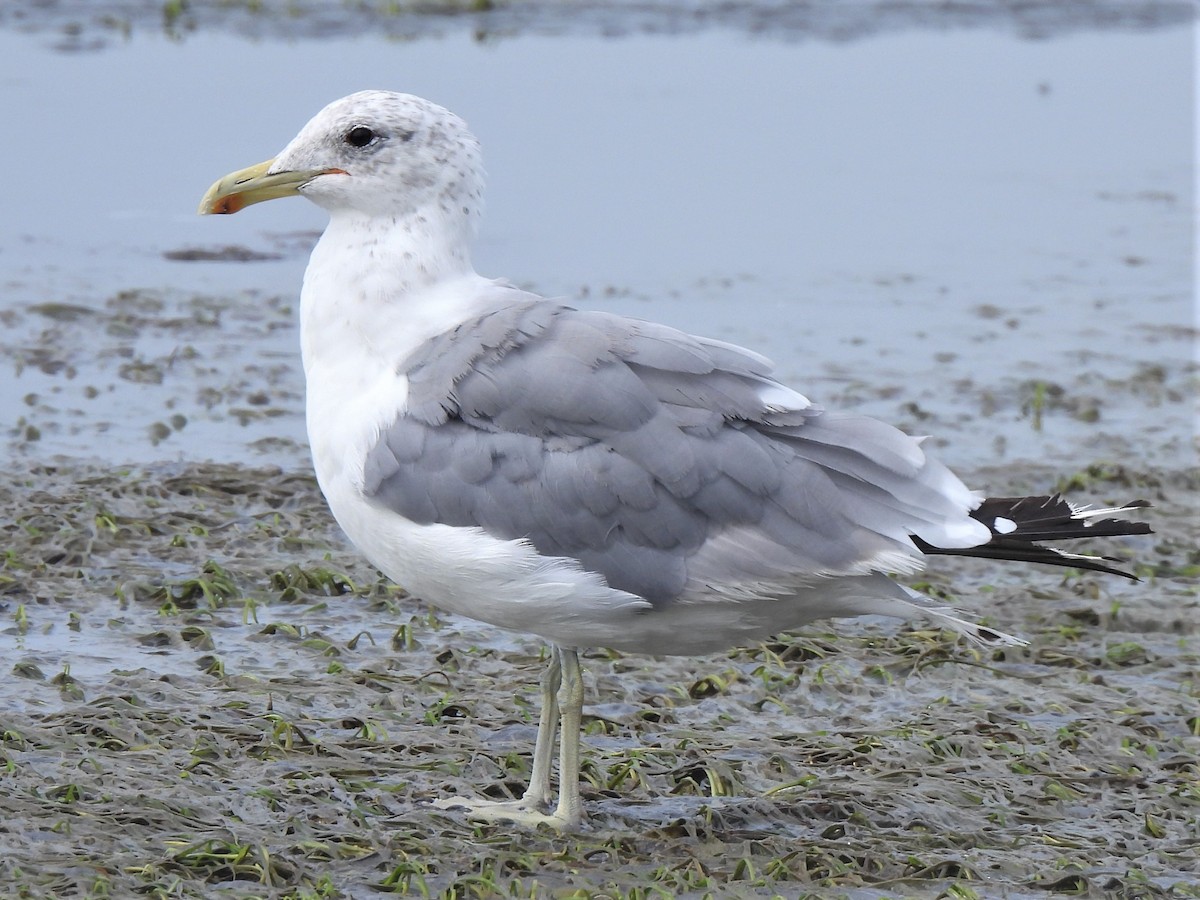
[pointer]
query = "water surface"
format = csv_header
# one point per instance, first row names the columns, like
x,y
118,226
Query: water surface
x,y
903,213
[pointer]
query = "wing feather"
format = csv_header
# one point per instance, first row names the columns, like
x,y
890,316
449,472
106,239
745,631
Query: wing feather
x,y
671,465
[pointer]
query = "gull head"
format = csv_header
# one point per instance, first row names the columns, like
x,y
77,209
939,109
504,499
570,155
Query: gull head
x,y
377,154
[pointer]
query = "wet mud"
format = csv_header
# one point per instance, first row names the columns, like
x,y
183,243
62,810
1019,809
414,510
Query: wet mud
x,y
209,694
81,26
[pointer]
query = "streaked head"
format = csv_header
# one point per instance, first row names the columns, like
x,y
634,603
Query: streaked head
x,y
374,153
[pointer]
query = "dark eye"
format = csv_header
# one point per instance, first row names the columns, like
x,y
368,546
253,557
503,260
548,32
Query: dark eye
x,y
359,136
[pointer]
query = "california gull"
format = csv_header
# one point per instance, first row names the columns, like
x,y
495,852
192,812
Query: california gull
x,y
596,480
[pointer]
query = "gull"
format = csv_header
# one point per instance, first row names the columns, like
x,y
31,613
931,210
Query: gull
x,y
592,479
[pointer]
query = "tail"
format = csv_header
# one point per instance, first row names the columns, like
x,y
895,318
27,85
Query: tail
x,y
1019,523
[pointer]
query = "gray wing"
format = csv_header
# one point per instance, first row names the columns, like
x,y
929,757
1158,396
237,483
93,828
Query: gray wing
x,y
665,462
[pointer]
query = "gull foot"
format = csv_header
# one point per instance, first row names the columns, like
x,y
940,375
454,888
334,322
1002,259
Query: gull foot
x,y
522,812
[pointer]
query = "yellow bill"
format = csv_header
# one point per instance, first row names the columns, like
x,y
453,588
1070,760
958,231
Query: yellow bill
x,y
240,189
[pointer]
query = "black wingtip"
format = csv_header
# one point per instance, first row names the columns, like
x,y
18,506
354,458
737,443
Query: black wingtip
x,y
1019,524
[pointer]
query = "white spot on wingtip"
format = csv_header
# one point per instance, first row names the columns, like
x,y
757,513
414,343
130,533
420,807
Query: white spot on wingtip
x,y
1003,525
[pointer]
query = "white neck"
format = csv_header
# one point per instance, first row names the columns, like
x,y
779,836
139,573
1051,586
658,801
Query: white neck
x,y
404,253
378,287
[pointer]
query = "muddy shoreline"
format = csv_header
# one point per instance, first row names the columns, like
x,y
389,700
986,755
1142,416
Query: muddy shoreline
x,y
210,694
80,26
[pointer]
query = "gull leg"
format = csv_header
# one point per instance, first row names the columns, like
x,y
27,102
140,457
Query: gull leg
x,y
562,697
538,792
570,702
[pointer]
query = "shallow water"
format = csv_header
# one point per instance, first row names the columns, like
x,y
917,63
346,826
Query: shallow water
x,y
883,215
921,214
